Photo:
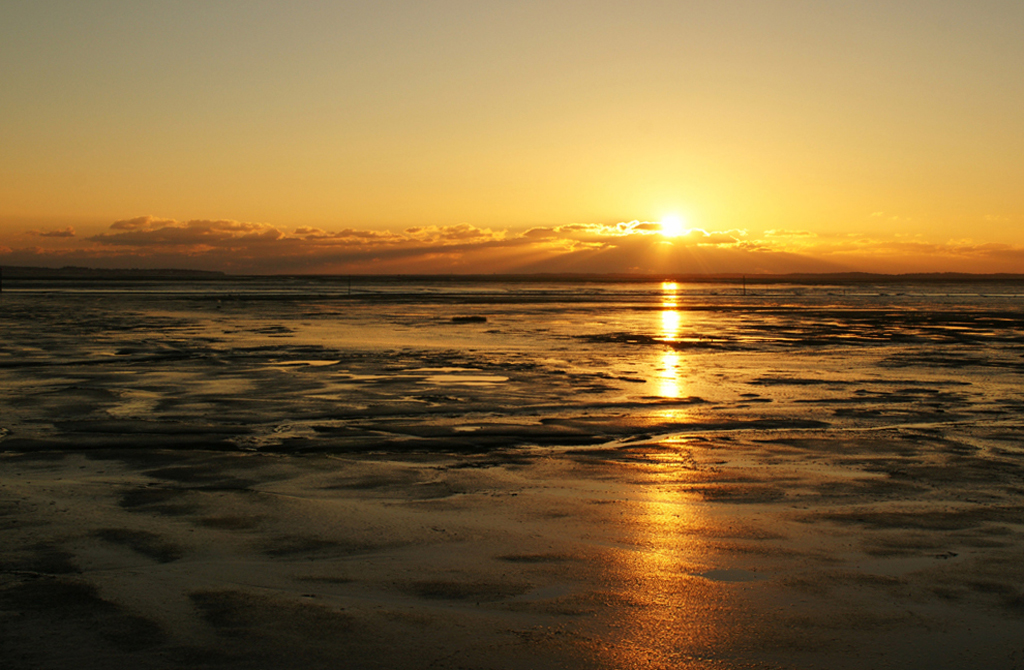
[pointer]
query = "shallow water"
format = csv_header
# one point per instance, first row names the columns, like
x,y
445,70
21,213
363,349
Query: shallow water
x,y
298,366
596,475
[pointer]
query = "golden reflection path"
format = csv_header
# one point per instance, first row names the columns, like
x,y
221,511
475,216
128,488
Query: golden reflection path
x,y
670,374
674,618
669,615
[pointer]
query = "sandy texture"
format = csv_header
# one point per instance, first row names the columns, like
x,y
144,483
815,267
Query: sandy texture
x,y
651,555
308,484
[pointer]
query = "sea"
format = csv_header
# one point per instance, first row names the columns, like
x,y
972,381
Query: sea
x,y
339,364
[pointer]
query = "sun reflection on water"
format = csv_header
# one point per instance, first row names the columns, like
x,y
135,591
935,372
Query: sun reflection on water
x,y
670,373
669,289
670,325
677,618
669,378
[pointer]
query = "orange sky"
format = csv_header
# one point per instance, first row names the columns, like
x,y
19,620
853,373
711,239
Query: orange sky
x,y
513,136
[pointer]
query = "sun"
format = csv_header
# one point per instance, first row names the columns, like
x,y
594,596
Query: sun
x,y
672,225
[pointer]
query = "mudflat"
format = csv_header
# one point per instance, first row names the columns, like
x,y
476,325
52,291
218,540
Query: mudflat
x,y
305,482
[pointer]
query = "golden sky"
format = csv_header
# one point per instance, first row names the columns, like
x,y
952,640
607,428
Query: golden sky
x,y
271,136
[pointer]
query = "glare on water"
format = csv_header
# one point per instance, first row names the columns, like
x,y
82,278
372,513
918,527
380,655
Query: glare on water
x,y
670,374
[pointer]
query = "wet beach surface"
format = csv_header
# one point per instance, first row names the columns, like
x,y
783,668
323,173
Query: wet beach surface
x,y
664,480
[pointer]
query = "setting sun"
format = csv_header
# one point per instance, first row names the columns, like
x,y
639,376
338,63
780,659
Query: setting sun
x,y
672,225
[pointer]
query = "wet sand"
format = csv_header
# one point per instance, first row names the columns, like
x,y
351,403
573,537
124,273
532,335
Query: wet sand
x,y
200,484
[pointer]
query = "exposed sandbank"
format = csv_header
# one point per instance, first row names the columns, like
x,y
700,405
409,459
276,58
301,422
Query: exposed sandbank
x,y
301,483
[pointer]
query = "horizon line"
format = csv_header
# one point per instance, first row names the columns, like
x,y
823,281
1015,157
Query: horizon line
x,y
82,272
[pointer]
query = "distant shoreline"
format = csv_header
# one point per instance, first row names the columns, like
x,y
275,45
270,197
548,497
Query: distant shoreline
x,y
138,274
77,273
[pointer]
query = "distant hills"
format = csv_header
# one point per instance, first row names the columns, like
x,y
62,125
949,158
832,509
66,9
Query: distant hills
x,y
83,273
793,278
70,272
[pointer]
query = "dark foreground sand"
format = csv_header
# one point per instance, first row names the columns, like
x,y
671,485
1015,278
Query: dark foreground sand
x,y
688,553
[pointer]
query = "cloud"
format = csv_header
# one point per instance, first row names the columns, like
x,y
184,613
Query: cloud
x,y
789,233
628,246
197,234
702,237
142,223
64,232
461,232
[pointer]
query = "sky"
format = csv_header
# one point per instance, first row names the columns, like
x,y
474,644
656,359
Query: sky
x,y
401,136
